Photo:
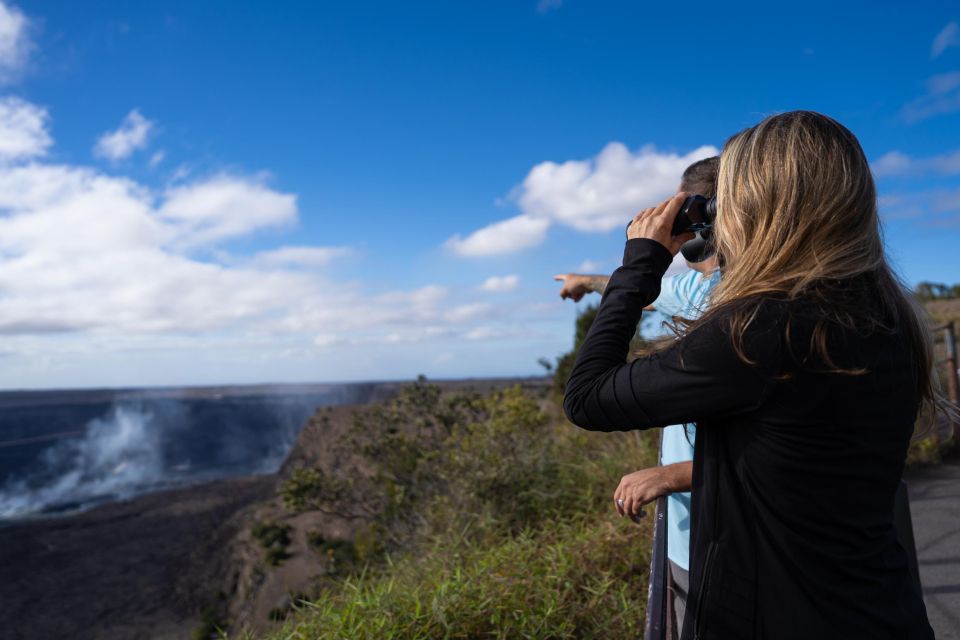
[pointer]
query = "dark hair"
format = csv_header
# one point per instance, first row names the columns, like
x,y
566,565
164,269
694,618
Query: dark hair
x,y
701,177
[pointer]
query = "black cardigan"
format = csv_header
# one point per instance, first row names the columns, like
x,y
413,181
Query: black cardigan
x,y
794,470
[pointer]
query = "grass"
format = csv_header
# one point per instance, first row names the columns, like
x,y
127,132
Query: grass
x,y
494,521
575,580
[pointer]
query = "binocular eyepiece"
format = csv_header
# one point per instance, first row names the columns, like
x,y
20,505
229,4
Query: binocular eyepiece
x,y
697,213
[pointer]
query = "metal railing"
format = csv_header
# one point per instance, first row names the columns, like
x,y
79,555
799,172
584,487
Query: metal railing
x,y
657,620
949,362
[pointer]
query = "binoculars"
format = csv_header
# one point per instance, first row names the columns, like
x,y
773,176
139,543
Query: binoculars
x,y
696,214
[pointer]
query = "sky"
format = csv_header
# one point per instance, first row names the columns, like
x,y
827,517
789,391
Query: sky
x,y
237,192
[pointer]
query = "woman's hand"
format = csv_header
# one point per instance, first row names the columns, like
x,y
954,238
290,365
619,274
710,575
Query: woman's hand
x,y
640,487
656,223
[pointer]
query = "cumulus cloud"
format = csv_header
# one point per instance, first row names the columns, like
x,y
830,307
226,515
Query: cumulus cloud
x,y
23,130
597,194
133,134
224,207
15,41
500,284
82,251
948,37
942,97
506,236
103,256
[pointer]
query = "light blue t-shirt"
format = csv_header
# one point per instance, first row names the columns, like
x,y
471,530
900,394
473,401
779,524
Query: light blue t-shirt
x,y
683,295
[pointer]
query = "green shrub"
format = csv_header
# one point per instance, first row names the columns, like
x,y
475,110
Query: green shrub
x,y
575,580
213,620
925,452
341,554
274,539
485,517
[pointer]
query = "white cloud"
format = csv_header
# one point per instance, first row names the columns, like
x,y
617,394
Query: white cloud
x,y
506,236
100,257
896,163
467,312
597,194
325,340
500,284
891,164
223,207
133,134
483,333
23,130
948,37
157,158
942,97
15,44
602,193
300,256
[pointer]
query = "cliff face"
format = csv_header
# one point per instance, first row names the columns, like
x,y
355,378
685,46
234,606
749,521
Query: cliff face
x,y
259,588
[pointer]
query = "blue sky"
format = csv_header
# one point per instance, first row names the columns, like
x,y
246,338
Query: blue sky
x,y
214,192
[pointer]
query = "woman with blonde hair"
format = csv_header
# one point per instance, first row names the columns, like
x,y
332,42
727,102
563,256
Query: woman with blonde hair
x,y
804,378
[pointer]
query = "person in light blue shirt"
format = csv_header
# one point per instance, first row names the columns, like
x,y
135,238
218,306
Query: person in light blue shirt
x,y
682,296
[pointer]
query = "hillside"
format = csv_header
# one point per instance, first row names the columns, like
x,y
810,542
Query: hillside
x,y
159,565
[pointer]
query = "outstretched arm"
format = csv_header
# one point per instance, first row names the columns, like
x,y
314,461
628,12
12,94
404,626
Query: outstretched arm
x,y
577,285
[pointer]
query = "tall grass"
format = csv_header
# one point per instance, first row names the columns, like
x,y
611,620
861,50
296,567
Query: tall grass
x,y
508,528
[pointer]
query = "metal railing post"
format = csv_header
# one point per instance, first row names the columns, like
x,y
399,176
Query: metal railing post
x,y
953,385
656,625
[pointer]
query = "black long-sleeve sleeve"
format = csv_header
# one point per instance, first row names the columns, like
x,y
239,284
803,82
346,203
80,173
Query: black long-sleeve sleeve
x,y
699,377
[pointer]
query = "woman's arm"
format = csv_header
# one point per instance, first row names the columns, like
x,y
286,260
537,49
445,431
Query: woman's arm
x,y
646,485
699,377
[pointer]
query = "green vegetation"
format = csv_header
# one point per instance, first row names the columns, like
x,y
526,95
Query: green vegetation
x,y
341,554
927,291
574,580
927,451
486,516
274,539
213,619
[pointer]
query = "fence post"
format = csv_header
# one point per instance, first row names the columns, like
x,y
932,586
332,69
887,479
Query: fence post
x,y
953,385
657,623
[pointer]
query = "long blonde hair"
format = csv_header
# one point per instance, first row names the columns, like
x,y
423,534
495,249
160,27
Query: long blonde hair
x,y
797,217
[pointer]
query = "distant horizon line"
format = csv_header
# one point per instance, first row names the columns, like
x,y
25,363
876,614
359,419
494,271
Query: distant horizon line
x,y
256,385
